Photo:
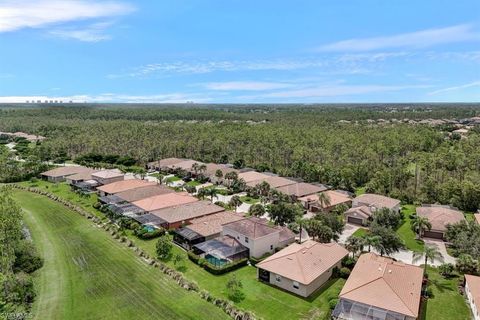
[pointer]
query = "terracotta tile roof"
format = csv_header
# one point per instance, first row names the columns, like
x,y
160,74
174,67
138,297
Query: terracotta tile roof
x,y
304,262
106,174
335,197
250,176
301,189
166,162
377,201
165,201
186,210
65,171
185,165
474,287
285,234
125,185
213,167
212,224
252,227
362,211
477,217
383,283
274,182
136,194
440,216
87,175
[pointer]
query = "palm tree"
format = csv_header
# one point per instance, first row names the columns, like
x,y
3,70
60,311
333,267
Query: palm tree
x,y
235,202
256,210
324,200
429,253
355,244
195,167
219,175
371,241
202,193
420,225
212,192
263,190
202,168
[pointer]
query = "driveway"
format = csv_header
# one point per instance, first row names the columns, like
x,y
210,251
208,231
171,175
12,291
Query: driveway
x,y
347,232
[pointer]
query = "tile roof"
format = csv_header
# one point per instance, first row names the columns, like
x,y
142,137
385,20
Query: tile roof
x,y
440,216
362,211
65,171
212,224
474,287
87,175
186,211
109,173
477,217
252,227
383,283
274,182
125,185
304,262
136,194
250,176
166,162
334,196
165,201
377,200
213,167
301,189
185,165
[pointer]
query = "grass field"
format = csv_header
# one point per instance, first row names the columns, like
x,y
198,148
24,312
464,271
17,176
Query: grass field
x,y
447,302
88,275
249,200
405,231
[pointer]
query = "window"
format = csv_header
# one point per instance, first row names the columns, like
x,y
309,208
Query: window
x,y
278,278
246,239
296,285
271,247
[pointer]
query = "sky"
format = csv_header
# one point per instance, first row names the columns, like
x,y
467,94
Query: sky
x,y
229,51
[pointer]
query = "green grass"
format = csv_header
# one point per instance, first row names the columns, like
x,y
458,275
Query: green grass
x,y
359,191
88,275
360,232
249,200
447,302
193,183
172,179
405,231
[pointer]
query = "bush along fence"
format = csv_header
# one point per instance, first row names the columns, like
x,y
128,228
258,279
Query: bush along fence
x,y
227,306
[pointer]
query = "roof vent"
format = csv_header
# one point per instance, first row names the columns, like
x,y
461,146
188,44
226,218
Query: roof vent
x,y
389,271
379,269
304,251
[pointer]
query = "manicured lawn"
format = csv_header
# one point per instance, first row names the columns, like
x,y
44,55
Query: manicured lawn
x,y
360,232
249,200
64,191
88,275
447,302
265,301
405,231
193,183
173,179
359,191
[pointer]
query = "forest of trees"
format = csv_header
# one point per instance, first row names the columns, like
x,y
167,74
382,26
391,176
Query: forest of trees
x,y
415,163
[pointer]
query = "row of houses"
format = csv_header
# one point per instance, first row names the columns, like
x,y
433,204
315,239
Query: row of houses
x,y
29,137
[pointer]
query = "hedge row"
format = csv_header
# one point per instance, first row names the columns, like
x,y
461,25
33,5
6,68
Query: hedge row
x,y
214,269
113,230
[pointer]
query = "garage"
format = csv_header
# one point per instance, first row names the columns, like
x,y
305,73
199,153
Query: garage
x,y
433,234
355,220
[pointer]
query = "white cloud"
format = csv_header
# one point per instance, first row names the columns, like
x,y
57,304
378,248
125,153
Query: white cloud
x,y
418,39
245,85
108,97
91,33
456,88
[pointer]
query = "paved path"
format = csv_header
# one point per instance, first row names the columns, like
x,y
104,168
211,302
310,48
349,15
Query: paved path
x,y
347,232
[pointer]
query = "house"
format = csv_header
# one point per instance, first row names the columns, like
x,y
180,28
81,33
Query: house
x,y
257,235
472,291
359,215
250,176
477,217
380,288
163,164
205,228
439,217
376,201
302,268
273,181
164,201
221,251
86,186
80,177
141,193
108,176
185,165
61,173
335,198
123,185
178,212
212,168
301,189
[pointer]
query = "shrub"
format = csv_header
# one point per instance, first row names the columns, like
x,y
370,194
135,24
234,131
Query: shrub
x,y
446,269
348,262
344,273
332,303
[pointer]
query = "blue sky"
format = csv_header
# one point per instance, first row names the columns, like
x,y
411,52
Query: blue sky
x,y
240,51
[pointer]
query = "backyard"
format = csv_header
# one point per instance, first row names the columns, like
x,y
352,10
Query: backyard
x,y
88,275
249,200
405,231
